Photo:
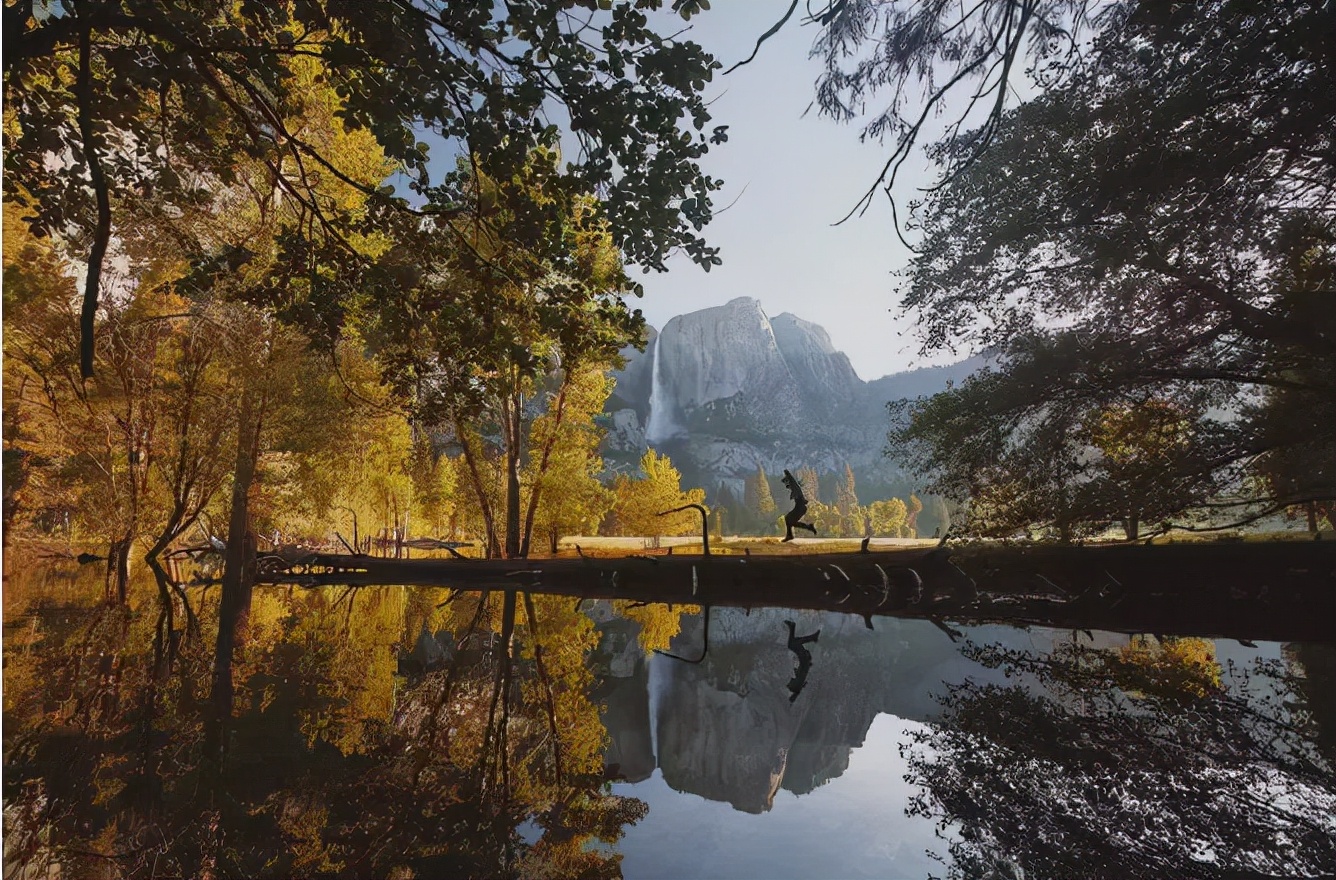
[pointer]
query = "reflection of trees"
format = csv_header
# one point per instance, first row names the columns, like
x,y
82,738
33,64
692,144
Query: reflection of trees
x,y
335,764
1113,763
1318,716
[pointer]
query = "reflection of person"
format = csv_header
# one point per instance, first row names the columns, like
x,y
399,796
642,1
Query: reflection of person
x,y
793,517
798,645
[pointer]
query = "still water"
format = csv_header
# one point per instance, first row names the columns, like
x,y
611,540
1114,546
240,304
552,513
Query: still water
x,y
416,732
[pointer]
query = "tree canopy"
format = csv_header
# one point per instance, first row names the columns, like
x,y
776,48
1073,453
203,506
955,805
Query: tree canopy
x,y
156,99
1157,231
940,63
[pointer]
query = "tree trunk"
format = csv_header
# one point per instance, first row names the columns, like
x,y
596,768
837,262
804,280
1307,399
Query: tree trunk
x,y
1187,588
535,492
118,569
118,555
1132,525
511,413
238,579
102,197
239,558
488,519
1311,509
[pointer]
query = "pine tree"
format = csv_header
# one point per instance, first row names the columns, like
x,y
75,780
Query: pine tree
x,y
811,483
759,502
846,497
847,509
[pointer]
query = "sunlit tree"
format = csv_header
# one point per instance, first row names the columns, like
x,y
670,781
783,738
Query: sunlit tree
x,y
759,501
565,495
887,518
658,488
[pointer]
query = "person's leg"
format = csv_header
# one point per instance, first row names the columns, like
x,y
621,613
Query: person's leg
x,y
799,511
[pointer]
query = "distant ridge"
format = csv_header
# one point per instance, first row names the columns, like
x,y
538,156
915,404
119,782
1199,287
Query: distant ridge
x,y
925,381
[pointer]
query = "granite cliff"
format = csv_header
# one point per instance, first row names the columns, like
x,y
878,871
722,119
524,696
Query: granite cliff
x,y
725,389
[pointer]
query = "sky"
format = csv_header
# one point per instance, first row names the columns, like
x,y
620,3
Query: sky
x,y
792,176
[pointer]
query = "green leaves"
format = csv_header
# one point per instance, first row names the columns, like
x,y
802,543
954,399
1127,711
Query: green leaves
x,y
1124,243
203,90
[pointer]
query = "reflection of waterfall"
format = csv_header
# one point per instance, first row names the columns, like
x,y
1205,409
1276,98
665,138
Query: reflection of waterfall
x,y
659,426
656,686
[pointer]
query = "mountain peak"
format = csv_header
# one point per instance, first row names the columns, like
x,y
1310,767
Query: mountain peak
x,y
791,326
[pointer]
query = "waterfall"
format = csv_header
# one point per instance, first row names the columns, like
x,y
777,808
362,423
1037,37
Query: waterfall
x,y
659,425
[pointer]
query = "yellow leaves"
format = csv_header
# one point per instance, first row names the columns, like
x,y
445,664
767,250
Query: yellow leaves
x,y
303,820
316,164
23,676
435,483
347,449
318,124
339,644
109,777
1174,667
1128,433
596,255
13,130
639,501
572,497
888,517
658,623
269,611
34,272
567,636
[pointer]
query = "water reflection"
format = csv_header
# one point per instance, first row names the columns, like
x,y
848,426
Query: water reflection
x,y
422,733
334,762
1137,760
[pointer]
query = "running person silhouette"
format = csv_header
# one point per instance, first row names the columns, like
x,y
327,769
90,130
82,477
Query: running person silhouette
x,y
794,516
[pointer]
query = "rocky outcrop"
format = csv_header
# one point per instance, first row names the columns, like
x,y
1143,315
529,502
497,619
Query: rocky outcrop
x,y
823,376
722,373
629,754
626,433
726,389
725,727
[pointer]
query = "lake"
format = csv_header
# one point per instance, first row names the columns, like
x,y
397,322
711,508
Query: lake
x,y
420,732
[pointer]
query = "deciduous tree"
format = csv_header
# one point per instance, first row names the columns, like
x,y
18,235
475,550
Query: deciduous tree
x,y
162,95
1169,207
565,495
485,310
887,518
658,488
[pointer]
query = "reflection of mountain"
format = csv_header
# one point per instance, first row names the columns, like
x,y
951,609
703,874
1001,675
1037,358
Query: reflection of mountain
x,y
726,729
625,715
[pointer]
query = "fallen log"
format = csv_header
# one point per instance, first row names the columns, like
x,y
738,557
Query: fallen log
x,y
1282,591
